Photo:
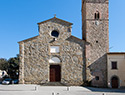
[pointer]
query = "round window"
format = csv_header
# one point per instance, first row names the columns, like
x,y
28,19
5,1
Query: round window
x,y
55,33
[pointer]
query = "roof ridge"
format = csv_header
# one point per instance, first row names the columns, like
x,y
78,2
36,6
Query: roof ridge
x,y
29,39
57,19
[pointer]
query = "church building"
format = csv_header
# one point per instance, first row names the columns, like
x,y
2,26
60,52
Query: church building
x,y
57,56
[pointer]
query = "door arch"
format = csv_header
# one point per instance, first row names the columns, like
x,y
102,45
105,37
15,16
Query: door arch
x,y
54,60
114,82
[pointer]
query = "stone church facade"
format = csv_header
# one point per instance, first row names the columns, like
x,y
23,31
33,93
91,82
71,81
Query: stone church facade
x,y
57,56
40,62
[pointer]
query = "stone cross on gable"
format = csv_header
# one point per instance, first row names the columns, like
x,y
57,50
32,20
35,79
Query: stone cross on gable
x,y
55,15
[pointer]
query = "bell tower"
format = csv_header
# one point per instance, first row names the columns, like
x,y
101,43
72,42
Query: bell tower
x,y
95,31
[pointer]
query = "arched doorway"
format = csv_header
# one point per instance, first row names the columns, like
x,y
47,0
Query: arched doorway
x,y
115,82
55,69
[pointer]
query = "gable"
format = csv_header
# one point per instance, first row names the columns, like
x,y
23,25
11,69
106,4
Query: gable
x,y
57,20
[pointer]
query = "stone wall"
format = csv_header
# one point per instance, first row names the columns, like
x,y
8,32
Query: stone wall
x,y
91,9
21,65
81,60
95,32
37,54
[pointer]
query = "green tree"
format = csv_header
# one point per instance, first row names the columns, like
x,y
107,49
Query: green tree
x,y
13,68
4,64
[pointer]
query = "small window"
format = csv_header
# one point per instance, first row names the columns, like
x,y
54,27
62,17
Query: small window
x,y
55,33
96,41
114,65
97,77
97,15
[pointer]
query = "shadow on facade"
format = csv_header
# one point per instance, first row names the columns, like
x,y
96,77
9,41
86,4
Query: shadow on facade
x,y
96,73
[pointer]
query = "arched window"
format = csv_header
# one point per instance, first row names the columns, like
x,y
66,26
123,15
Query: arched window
x,y
54,60
97,15
55,33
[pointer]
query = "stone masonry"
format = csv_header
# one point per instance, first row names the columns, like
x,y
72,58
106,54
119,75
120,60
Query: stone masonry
x,y
35,54
81,60
95,32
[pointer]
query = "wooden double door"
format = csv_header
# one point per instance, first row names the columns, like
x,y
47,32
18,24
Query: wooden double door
x,y
55,73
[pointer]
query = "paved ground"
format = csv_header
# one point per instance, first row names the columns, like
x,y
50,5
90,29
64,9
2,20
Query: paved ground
x,y
56,90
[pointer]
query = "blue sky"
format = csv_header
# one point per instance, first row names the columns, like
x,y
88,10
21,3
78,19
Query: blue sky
x,y
19,18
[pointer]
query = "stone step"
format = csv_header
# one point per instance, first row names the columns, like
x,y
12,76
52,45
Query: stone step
x,y
53,84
